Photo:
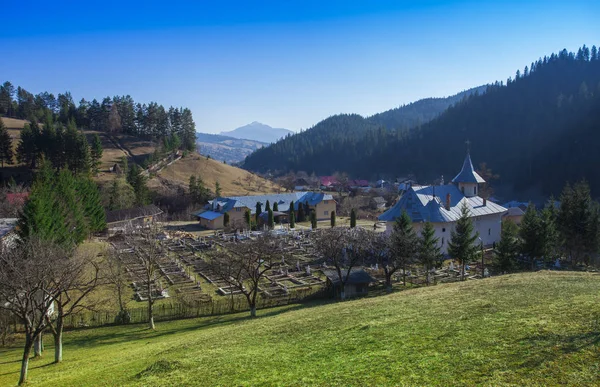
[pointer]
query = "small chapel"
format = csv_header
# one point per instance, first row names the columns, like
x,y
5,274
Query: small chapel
x,y
441,205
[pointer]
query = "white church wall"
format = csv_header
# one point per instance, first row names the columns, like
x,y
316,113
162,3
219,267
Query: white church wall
x,y
488,226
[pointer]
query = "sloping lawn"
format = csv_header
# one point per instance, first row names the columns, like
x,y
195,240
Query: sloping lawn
x,y
524,329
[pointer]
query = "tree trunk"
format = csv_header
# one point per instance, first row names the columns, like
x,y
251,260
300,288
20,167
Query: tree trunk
x,y
38,345
252,310
462,271
25,360
388,282
342,293
403,275
58,345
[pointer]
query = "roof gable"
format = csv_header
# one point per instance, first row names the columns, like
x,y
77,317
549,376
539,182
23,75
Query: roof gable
x,y
428,203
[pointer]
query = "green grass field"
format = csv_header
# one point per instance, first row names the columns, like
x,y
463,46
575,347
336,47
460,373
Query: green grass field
x,y
537,329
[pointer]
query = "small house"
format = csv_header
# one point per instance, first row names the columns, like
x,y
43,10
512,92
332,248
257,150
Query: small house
x,y
357,282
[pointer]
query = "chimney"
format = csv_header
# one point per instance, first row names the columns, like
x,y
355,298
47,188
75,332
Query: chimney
x,y
448,202
484,202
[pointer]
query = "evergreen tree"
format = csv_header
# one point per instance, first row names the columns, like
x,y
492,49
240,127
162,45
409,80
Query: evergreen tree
x,y
507,250
578,222
27,150
271,219
268,206
6,149
138,182
532,235
248,218
92,205
429,253
192,188
332,219
96,153
404,242
217,189
353,218
292,219
313,220
258,211
226,219
462,245
301,214
275,206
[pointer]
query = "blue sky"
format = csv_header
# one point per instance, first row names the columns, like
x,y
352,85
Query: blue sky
x,y
285,63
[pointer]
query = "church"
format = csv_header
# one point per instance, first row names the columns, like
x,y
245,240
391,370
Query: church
x,y
441,205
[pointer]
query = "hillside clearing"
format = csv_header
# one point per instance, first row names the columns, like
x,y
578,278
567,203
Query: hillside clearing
x,y
523,329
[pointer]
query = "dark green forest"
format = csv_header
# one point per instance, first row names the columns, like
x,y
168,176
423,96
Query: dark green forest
x,y
536,130
119,114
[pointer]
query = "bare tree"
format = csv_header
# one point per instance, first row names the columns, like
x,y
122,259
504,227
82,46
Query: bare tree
x,y
243,265
344,249
27,289
382,253
115,274
148,253
76,278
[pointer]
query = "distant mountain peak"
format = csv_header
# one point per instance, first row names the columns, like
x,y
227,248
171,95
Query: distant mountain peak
x,y
258,131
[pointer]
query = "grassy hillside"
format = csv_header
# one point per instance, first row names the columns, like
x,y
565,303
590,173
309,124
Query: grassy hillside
x,y
526,329
233,180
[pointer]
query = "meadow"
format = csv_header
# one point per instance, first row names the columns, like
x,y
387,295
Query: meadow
x,y
523,329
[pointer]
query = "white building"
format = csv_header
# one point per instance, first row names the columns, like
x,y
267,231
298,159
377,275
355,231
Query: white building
x,y
441,205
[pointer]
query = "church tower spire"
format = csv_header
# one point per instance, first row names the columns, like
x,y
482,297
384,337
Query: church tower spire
x,y
467,179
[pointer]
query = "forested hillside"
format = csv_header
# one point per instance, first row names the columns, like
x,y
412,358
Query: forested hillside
x,y
119,114
345,135
537,130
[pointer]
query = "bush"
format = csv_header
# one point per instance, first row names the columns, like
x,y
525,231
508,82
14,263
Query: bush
x,y
123,317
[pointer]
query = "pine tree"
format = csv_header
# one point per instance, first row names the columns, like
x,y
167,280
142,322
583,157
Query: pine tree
x,y
258,211
275,206
532,235
247,218
313,220
6,149
96,153
332,219
429,252
353,218
462,245
404,242
301,214
271,219
292,219
27,151
226,219
217,189
92,204
507,250
268,206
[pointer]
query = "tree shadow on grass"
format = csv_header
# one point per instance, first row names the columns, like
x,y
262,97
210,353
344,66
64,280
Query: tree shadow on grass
x,y
549,347
130,333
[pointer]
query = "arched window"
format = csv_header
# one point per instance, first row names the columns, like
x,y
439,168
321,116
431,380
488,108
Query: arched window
x,y
489,231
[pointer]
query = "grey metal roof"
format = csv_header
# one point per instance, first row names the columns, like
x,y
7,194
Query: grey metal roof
x,y
225,204
427,203
467,174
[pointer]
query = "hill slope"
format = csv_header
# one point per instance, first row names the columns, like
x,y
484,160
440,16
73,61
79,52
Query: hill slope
x,y
257,131
332,144
528,330
519,130
233,180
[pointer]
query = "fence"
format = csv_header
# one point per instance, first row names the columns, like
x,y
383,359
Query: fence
x,y
177,310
